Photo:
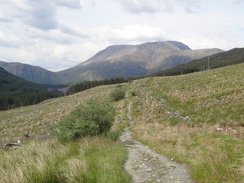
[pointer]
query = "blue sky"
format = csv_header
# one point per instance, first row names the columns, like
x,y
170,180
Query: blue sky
x,y
59,34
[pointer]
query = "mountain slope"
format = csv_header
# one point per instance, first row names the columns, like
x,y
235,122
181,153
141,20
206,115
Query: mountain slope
x,y
115,61
12,85
234,56
31,73
133,60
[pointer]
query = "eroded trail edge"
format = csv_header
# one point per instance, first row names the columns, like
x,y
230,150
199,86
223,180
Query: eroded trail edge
x,y
145,165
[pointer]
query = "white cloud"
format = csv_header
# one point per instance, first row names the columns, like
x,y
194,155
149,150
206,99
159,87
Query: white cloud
x,y
4,17
13,41
192,6
75,4
40,13
129,33
74,31
154,6
236,1
146,6
53,36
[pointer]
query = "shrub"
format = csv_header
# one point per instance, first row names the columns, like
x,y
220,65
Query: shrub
x,y
94,118
113,135
118,93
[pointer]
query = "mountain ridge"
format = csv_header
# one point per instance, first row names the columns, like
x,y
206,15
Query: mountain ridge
x,y
115,61
32,73
132,60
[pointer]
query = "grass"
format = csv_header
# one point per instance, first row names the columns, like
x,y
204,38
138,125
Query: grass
x,y
89,160
196,119
179,117
97,159
36,120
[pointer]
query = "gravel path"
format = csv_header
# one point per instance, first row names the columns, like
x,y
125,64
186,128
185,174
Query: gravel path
x,y
145,165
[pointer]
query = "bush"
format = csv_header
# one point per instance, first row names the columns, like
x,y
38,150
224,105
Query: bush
x,y
113,135
95,118
118,93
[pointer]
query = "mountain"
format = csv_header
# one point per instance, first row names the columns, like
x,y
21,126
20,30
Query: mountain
x,y
12,85
134,60
231,57
115,61
31,73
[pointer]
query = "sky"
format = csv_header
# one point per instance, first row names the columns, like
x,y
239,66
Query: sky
x,y
59,34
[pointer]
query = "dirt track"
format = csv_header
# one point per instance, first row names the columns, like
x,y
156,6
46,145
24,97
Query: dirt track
x,y
145,165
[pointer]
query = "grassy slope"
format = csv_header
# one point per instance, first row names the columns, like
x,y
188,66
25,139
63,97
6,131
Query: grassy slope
x,y
90,160
180,116
36,119
210,99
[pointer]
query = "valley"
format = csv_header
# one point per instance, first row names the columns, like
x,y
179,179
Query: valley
x,y
195,119
141,91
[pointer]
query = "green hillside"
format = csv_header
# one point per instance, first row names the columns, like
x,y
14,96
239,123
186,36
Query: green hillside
x,y
12,85
15,91
196,119
231,57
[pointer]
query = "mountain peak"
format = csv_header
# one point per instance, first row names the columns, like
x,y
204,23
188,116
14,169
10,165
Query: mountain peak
x,y
179,45
133,60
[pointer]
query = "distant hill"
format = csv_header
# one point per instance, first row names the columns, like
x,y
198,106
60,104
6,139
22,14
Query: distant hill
x,y
11,85
15,91
31,73
231,57
115,61
134,60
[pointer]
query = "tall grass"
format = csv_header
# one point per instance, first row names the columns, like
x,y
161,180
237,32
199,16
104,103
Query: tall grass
x,y
97,159
89,160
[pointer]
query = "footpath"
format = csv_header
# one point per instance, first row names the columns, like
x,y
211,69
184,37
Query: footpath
x,y
144,165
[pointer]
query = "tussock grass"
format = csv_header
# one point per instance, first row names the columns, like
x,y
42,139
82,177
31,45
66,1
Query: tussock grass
x,y
196,119
97,159
89,160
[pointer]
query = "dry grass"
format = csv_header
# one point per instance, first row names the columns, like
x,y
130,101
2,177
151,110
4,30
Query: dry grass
x,y
196,119
121,120
90,160
37,119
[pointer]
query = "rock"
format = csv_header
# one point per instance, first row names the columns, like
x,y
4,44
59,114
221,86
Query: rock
x,y
12,145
